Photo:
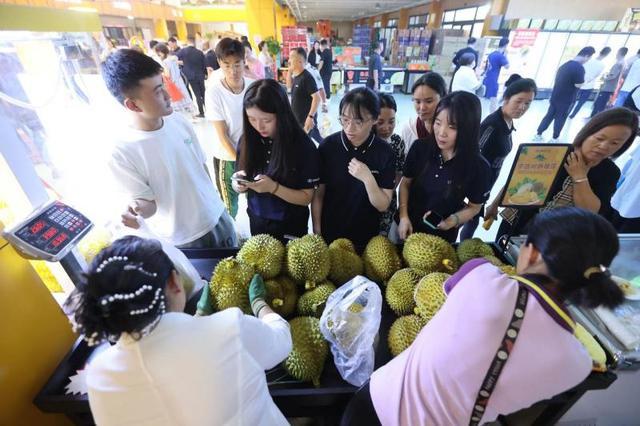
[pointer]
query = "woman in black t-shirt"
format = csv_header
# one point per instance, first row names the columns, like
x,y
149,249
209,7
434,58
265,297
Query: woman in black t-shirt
x,y
278,164
442,171
588,179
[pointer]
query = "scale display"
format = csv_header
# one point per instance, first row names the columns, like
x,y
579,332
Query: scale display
x,y
50,232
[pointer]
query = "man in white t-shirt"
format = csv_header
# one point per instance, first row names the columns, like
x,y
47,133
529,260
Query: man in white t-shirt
x,y
592,71
631,76
224,105
158,163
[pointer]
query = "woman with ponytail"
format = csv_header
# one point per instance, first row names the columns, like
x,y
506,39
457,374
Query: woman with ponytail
x,y
500,343
166,367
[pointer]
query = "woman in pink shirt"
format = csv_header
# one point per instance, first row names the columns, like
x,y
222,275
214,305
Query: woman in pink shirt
x,y
518,327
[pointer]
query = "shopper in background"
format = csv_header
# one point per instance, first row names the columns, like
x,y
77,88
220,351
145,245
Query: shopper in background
x,y
375,67
495,62
440,173
465,78
171,72
385,126
471,48
167,367
626,200
305,98
253,67
569,78
314,54
609,82
589,176
592,71
325,66
158,162
278,165
631,79
319,84
495,137
510,331
426,92
357,172
265,59
172,43
210,58
224,100
195,70
153,53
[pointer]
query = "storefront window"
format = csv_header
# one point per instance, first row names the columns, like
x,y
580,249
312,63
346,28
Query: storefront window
x,y
469,19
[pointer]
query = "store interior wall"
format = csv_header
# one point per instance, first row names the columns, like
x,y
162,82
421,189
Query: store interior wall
x,y
569,9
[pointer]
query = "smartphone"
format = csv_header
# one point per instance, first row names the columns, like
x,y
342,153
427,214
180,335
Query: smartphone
x,y
242,179
432,220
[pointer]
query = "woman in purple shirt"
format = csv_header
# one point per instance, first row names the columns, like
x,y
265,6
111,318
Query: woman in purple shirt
x,y
519,324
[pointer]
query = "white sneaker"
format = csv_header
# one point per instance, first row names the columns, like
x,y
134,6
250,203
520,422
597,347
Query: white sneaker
x,y
554,140
537,138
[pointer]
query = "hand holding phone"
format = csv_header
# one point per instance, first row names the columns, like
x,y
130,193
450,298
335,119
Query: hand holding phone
x,y
432,219
242,179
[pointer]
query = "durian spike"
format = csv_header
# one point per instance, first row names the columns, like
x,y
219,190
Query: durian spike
x,y
309,285
277,303
448,263
415,311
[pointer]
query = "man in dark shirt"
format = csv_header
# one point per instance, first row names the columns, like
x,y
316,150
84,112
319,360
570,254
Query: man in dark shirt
x,y
172,43
305,98
194,69
210,58
325,66
569,78
375,67
471,43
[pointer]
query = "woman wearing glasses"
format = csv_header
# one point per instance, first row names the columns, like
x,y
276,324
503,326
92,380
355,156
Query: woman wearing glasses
x,y
441,172
357,172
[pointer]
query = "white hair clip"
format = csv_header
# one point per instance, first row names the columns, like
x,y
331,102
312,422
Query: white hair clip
x,y
156,299
109,260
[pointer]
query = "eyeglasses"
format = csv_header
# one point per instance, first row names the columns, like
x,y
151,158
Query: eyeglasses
x,y
234,66
357,124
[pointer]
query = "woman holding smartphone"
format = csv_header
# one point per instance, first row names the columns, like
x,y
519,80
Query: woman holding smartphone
x,y
442,171
278,164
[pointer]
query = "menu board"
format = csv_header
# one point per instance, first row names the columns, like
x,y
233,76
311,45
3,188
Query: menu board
x,y
533,174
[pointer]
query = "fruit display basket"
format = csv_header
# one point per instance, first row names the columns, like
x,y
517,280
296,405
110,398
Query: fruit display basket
x,y
294,398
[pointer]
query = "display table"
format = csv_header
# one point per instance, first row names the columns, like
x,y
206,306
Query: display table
x,y
293,398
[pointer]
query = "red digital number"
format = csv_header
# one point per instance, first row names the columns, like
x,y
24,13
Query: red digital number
x,y
49,233
59,240
37,227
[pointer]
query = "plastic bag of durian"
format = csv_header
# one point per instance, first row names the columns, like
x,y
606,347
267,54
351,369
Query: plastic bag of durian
x,y
350,323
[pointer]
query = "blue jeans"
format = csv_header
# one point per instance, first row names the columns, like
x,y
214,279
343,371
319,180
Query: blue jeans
x,y
622,96
583,96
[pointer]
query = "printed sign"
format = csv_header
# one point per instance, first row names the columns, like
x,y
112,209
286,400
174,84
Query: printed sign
x,y
533,174
524,37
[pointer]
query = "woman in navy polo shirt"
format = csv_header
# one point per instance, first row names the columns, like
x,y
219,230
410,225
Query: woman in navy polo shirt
x,y
357,172
278,164
441,172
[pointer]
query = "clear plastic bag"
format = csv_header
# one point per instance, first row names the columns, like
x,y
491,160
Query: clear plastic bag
x,y
350,322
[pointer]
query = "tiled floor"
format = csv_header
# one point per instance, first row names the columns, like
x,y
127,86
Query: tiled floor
x,y
617,405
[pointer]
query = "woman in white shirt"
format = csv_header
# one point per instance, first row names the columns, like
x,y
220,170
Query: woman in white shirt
x,y
167,367
265,59
465,78
172,72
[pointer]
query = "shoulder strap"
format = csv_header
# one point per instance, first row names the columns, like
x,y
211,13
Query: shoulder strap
x,y
501,357
534,287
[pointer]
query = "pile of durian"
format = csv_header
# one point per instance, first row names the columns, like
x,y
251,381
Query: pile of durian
x,y
300,277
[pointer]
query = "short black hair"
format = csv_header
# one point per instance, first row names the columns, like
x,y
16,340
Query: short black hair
x,y
162,48
570,241
471,40
245,43
191,38
623,51
244,38
376,44
261,45
359,99
172,40
123,70
503,42
300,52
605,51
467,59
323,42
387,101
587,51
153,43
229,47
516,84
433,80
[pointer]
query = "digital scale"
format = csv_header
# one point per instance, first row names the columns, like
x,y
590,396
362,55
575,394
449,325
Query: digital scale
x,y
50,232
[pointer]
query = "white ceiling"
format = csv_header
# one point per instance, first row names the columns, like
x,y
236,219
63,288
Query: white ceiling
x,y
344,10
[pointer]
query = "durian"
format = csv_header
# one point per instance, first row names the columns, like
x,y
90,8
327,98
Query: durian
x,y
472,248
345,262
403,332
307,260
509,270
310,350
429,294
381,259
264,253
282,295
313,301
429,253
400,288
230,285
494,260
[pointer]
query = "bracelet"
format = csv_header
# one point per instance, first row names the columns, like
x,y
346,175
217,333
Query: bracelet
x,y
257,305
584,179
457,218
276,189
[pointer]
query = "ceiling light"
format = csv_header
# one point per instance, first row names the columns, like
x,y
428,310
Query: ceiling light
x,y
83,9
125,5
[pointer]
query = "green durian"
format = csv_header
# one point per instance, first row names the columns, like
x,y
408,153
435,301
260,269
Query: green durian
x,y
399,292
282,295
264,253
429,294
312,302
403,332
230,285
429,253
307,260
472,248
381,259
306,360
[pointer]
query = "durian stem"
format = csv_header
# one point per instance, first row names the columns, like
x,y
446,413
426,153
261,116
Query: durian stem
x,y
448,263
277,303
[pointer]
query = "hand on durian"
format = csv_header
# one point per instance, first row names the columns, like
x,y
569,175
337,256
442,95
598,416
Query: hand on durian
x,y
405,228
257,289
359,170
